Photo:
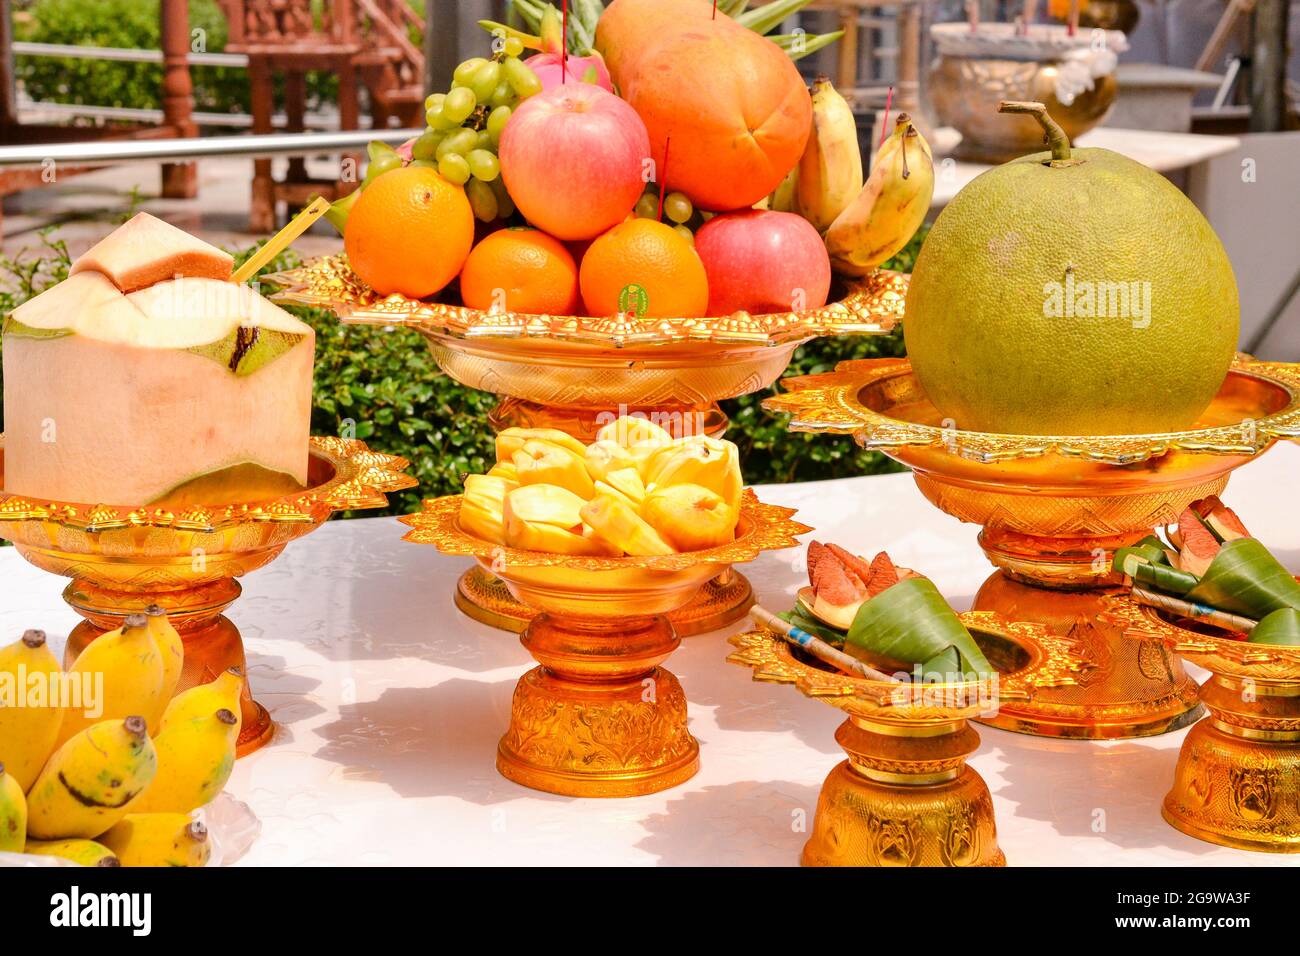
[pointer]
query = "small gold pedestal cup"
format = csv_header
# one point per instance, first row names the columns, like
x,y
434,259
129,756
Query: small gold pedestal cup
x,y
123,558
905,796
1053,509
600,717
1237,782
577,373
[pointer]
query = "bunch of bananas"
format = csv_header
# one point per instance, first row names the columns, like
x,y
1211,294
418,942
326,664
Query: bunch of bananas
x,y
863,224
99,790
634,491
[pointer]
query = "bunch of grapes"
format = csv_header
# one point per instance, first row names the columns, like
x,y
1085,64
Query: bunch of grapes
x,y
679,211
465,125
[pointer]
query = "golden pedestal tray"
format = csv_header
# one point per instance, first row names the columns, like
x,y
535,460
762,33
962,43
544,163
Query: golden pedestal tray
x,y
600,717
1237,782
579,373
123,558
905,796
1053,509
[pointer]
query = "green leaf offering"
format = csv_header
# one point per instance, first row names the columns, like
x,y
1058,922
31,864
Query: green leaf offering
x,y
1279,627
805,621
911,623
1163,577
1244,578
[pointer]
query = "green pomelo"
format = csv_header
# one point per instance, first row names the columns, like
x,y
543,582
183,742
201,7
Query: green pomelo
x,y
1083,297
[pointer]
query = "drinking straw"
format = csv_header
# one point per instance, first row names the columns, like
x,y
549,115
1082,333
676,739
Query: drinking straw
x,y
1194,611
817,647
973,15
281,240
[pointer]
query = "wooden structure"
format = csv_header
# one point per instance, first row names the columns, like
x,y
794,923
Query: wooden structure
x,y
881,47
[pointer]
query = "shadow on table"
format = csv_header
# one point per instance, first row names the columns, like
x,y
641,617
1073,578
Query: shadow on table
x,y
428,741
748,823
1083,788
282,691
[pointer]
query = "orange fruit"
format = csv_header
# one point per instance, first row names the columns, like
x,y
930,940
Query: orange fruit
x,y
409,232
520,270
646,267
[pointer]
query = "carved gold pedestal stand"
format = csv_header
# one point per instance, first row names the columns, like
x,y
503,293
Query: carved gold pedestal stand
x,y
600,717
905,796
578,373
1238,777
123,558
1053,509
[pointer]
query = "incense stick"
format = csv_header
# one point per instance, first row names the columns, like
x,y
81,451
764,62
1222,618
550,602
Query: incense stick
x,y
281,240
817,647
1196,612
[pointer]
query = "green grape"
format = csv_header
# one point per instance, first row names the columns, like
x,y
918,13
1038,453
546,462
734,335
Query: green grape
x,y
459,103
426,146
483,164
678,208
454,168
503,95
462,73
685,234
496,122
437,119
521,77
513,46
647,207
485,141
505,205
434,99
460,142
482,200
485,79
377,150
424,163
378,167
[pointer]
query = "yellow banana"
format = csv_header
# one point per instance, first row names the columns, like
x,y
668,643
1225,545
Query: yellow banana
x,y
891,206
223,692
159,839
830,170
713,463
512,440
690,517
29,724
13,814
482,508
91,780
545,463
783,198
81,852
614,522
127,666
195,758
170,646
547,518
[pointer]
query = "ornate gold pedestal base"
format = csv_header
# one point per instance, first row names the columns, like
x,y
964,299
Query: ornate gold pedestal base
x,y
599,718
724,600
904,798
1127,687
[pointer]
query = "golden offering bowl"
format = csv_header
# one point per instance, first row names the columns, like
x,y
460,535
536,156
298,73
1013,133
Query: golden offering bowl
x,y
123,558
600,717
577,373
905,796
1054,509
1238,777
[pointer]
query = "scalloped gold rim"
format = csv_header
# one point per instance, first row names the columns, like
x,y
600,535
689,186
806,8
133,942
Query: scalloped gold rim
x,y
1052,663
362,478
831,403
1205,650
874,306
768,528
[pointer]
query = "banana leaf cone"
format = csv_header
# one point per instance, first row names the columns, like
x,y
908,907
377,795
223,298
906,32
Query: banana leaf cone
x,y
910,623
1280,627
1244,578
801,619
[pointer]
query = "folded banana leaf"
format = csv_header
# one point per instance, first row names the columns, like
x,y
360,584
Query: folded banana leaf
x,y
911,623
1280,627
1162,577
1244,578
802,619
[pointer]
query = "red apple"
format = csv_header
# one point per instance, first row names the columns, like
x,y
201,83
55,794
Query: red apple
x,y
763,261
573,159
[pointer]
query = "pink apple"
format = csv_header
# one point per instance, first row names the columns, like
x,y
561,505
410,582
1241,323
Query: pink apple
x,y
763,261
573,158
549,70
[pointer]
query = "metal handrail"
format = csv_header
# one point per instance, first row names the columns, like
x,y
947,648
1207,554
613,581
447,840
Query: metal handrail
x,y
122,54
204,147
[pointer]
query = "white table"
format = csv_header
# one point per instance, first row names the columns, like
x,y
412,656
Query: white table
x,y
390,704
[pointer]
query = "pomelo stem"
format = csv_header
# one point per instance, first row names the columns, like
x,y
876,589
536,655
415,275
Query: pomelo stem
x,y
1056,138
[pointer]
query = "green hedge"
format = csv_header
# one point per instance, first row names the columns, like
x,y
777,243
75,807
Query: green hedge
x,y
382,386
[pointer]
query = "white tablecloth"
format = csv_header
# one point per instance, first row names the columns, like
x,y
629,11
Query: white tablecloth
x,y
390,703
